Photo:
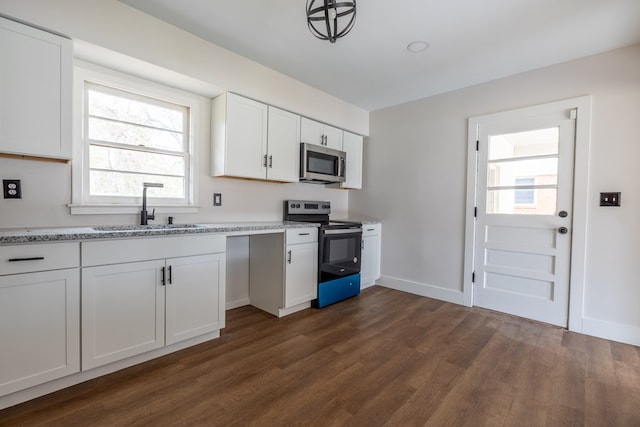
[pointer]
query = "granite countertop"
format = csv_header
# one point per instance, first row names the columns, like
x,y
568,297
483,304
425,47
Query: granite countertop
x,y
362,219
44,234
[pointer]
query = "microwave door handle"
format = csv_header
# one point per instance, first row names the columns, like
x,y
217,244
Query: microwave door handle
x,y
341,167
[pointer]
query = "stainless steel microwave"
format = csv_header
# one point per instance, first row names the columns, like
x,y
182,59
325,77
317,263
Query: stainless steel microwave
x,y
321,165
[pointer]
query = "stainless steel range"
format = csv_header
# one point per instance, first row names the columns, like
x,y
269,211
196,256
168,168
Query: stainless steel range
x,y
339,250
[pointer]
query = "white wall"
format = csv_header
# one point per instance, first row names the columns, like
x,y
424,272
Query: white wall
x,y
415,179
124,38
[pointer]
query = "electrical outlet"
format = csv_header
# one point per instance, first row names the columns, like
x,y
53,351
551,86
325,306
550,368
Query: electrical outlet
x,y
217,199
12,189
609,199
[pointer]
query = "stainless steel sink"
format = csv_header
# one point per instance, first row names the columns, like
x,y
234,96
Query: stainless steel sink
x,y
124,228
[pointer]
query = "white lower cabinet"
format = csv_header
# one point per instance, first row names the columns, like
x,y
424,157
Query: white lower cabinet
x,y
301,282
282,282
193,297
134,307
371,244
122,311
39,314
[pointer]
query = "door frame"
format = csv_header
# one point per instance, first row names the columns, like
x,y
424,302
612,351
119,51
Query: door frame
x,y
580,198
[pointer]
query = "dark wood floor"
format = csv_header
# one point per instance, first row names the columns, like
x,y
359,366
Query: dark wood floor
x,y
382,358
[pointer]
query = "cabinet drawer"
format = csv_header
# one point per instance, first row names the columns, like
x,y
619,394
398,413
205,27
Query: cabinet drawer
x,y
38,257
144,249
301,235
370,229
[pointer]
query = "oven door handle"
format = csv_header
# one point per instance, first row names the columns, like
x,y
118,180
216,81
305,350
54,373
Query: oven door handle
x,y
343,231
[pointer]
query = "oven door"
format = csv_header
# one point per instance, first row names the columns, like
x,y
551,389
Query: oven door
x,y
339,253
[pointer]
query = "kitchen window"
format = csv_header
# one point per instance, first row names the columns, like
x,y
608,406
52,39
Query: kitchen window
x,y
132,131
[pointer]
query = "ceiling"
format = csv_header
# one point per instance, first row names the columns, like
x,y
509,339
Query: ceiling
x,y
470,41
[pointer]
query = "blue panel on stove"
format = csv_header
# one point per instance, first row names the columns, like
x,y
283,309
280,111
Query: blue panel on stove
x,y
338,289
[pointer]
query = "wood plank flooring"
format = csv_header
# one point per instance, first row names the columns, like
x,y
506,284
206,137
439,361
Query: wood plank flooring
x,y
384,358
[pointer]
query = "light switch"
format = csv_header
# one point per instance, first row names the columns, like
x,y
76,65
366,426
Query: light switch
x,y
610,199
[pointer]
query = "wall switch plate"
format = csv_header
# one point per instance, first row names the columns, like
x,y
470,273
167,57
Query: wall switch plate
x,y
12,188
610,199
217,199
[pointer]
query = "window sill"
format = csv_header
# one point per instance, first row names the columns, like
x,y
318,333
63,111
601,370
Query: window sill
x,y
129,209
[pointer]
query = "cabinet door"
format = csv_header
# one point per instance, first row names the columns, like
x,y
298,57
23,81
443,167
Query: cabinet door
x,y
370,266
35,92
246,138
39,328
122,311
311,132
301,274
317,133
352,145
332,137
195,296
283,146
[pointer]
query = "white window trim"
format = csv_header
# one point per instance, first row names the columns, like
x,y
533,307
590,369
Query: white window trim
x,y
84,71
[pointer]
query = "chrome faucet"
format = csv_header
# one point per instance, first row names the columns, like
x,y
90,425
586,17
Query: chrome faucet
x,y
144,215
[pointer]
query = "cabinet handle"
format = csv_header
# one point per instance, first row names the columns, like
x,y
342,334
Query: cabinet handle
x,y
370,229
289,257
271,161
35,258
265,160
303,234
170,275
163,278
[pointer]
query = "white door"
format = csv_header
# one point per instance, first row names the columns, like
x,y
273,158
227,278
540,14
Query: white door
x,y
524,194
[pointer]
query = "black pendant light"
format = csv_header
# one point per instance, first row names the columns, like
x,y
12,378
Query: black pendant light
x,y
330,19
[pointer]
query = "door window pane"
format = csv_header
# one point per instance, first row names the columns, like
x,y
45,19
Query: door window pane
x,y
505,201
522,173
506,174
539,142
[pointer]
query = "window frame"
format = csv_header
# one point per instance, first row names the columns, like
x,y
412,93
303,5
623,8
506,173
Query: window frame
x,y
82,202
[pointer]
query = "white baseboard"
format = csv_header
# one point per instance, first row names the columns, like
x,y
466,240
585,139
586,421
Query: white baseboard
x,y
614,331
422,289
237,303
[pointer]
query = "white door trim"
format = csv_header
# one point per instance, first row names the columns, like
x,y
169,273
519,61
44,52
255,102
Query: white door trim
x,y
580,192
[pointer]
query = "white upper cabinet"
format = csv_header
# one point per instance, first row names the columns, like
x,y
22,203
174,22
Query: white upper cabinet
x,y
253,140
317,133
283,147
35,92
239,137
352,145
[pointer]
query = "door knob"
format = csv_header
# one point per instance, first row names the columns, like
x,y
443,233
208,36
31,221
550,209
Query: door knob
x,y
563,230
562,214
